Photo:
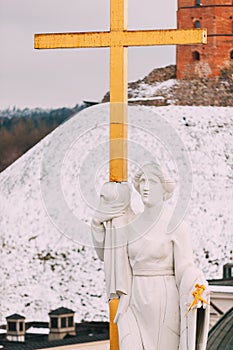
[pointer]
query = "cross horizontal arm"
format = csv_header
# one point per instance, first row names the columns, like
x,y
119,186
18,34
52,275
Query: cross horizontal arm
x,y
164,37
71,40
121,38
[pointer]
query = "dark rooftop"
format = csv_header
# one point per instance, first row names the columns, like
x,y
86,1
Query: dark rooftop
x,y
15,317
61,311
227,279
221,282
85,332
221,334
230,264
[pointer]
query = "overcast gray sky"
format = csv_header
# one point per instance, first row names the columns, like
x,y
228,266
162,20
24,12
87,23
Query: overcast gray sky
x,y
55,78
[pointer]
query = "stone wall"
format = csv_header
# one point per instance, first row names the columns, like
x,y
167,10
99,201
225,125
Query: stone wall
x,y
202,61
204,92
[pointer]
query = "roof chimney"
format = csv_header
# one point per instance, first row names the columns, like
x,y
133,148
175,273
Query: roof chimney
x,y
61,323
228,271
15,328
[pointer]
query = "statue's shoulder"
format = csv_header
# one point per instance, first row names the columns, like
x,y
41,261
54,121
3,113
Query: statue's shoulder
x,y
175,226
182,230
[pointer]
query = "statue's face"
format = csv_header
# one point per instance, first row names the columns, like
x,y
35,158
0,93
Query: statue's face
x,y
151,190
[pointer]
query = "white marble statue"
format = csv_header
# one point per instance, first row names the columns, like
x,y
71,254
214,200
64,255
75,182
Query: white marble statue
x,y
150,270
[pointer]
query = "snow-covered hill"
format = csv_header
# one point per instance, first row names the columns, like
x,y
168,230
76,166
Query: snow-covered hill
x,y
48,197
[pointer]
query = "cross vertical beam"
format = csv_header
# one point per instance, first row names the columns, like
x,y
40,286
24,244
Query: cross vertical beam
x,y
118,15
118,94
118,164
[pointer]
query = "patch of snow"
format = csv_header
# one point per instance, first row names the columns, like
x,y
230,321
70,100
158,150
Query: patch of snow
x,y
147,90
42,268
37,330
221,289
135,99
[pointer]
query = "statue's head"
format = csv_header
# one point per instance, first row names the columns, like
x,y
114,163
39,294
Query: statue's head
x,y
153,184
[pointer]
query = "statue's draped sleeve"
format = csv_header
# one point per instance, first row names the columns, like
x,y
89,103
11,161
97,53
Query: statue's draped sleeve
x,y
98,236
193,327
111,247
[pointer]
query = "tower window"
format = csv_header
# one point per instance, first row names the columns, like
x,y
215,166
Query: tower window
x,y
63,322
12,326
197,24
70,321
21,326
196,56
231,55
54,322
198,2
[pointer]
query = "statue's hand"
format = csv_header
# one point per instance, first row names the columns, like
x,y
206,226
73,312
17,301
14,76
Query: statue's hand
x,y
122,307
114,201
200,299
206,297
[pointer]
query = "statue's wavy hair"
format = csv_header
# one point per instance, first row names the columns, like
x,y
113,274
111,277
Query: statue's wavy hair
x,y
154,169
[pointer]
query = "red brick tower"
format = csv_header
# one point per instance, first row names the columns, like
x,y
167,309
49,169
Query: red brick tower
x,y
205,61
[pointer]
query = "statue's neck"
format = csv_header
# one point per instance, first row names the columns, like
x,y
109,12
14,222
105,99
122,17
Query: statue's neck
x,y
152,213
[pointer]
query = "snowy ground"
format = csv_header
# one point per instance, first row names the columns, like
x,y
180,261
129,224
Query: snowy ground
x,y
152,91
49,194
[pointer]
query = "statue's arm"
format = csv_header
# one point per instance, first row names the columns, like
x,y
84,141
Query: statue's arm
x,y
186,273
183,252
187,277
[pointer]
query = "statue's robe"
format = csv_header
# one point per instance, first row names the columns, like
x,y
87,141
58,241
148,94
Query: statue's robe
x,y
154,276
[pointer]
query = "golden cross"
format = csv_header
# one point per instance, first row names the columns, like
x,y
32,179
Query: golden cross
x,y
119,39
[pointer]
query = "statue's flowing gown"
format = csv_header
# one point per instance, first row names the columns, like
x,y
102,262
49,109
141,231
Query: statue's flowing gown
x,y
157,275
154,298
